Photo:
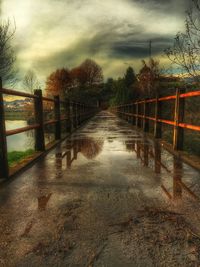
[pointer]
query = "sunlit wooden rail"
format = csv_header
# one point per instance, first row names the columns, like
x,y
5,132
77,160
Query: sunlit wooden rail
x,y
73,115
138,114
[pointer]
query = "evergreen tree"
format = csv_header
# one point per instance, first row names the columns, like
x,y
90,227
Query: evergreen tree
x,y
129,77
121,95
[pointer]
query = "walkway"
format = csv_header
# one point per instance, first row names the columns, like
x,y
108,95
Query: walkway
x,y
108,196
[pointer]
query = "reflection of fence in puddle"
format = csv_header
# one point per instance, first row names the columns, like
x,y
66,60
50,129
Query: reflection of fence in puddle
x,y
146,152
42,201
88,147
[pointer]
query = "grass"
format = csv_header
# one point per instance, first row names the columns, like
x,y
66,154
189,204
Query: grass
x,y
16,156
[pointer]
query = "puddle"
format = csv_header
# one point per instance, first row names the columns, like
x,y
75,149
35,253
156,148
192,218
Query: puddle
x,y
102,175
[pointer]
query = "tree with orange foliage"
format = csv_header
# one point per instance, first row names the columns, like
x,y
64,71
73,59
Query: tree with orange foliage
x,y
58,82
76,83
88,73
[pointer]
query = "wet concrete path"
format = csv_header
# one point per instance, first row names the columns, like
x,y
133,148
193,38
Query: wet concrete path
x,y
107,196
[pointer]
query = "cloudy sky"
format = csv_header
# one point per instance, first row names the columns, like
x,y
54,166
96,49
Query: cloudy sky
x,y
55,33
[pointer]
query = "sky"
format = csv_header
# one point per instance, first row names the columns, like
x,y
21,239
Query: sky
x,y
53,34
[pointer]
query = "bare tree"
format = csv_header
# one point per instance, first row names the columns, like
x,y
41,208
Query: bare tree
x,y
30,81
148,78
7,55
185,51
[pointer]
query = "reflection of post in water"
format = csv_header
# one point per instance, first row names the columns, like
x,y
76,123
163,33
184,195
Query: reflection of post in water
x,y
75,150
138,149
157,157
68,153
58,161
69,156
177,177
146,154
42,201
179,185
130,145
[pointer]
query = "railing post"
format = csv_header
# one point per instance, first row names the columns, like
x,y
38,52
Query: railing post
x,y
78,114
83,113
138,148
146,114
137,113
133,112
39,132
130,117
178,135
4,169
68,111
74,115
158,113
57,117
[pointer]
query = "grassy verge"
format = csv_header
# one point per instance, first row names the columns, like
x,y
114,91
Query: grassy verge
x,y
16,156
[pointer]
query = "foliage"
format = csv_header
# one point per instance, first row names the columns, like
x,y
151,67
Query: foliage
x,y
30,81
85,94
58,82
17,156
89,73
121,93
7,55
129,77
185,52
76,82
148,78
124,89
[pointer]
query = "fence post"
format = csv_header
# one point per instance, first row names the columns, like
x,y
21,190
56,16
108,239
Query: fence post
x,y
130,113
78,113
57,117
146,120
146,154
68,111
4,171
158,113
74,115
178,135
133,112
137,118
39,132
138,148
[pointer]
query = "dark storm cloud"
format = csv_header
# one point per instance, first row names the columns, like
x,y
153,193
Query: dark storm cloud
x,y
100,44
174,6
55,33
137,48
108,43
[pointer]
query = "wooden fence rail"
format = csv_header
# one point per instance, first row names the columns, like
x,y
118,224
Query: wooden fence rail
x,y
138,114
74,115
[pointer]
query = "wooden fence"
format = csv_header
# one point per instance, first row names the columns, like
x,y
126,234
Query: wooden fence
x,y
73,116
138,114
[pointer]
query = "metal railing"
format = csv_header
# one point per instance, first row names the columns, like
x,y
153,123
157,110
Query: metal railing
x,y
138,113
74,115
